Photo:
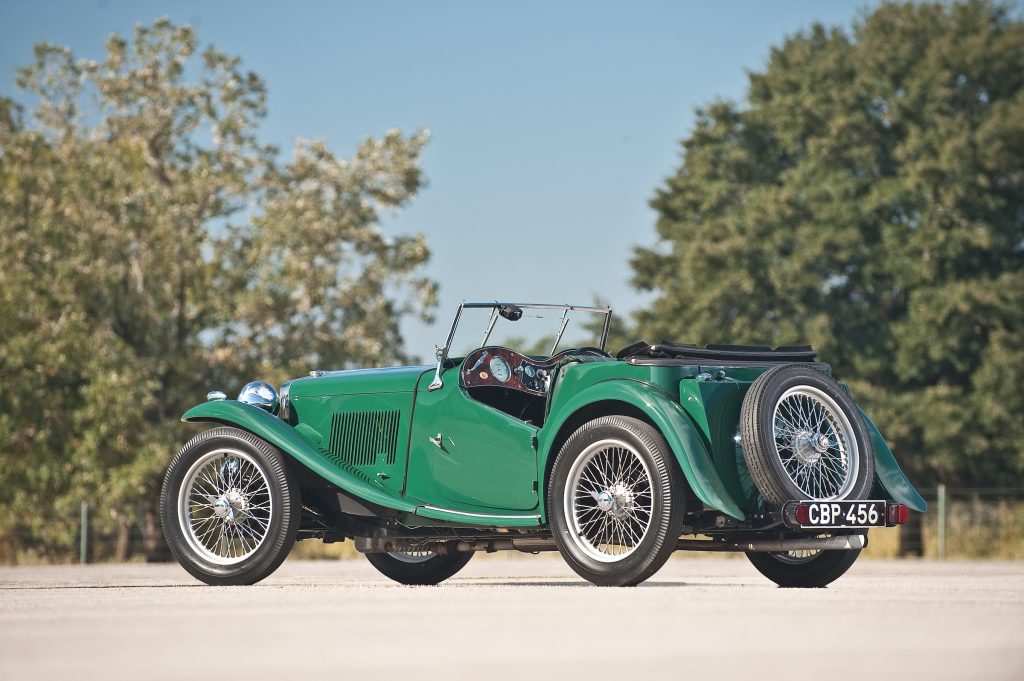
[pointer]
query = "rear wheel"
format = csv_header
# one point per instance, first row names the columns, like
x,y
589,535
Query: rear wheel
x,y
803,569
616,501
419,567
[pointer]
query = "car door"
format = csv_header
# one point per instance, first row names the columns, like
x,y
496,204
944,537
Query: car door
x,y
464,455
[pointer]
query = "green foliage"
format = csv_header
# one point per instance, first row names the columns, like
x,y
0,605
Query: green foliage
x,y
868,197
152,248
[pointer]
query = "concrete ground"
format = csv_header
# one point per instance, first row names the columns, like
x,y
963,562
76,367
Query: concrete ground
x,y
524,617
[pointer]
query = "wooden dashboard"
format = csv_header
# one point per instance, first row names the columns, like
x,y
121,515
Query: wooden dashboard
x,y
498,367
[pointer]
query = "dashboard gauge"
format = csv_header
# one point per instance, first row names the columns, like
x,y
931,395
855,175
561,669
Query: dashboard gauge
x,y
500,369
529,370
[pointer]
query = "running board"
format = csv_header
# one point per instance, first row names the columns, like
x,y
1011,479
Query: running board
x,y
850,542
477,519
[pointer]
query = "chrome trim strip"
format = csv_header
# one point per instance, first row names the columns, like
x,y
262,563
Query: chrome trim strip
x,y
540,306
565,323
480,515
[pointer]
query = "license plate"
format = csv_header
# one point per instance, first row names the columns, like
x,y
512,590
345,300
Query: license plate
x,y
844,514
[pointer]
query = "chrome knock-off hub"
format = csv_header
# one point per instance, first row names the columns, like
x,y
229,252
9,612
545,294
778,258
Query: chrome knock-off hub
x,y
232,506
616,501
810,446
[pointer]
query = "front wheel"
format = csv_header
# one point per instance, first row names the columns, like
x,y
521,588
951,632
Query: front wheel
x,y
616,501
419,567
803,569
229,507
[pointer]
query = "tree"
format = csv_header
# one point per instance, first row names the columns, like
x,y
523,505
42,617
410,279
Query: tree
x,y
152,248
868,197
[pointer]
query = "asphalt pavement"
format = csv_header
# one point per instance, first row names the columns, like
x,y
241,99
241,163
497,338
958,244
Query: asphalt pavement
x,y
516,617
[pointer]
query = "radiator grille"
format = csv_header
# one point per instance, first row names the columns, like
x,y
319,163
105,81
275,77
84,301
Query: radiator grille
x,y
359,437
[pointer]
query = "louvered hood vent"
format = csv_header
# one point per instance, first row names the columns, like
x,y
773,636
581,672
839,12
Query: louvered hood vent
x,y
358,438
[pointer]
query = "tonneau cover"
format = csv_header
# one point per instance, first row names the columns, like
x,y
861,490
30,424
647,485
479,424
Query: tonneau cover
x,y
719,353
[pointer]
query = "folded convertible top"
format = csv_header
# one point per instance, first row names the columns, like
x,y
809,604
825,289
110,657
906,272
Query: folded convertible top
x,y
718,353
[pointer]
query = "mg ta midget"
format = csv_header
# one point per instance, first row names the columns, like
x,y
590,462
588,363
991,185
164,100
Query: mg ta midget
x,y
528,435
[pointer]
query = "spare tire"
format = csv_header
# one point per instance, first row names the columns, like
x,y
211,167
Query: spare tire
x,y
803,438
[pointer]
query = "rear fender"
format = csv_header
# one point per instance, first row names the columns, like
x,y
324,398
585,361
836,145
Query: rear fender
x,y
888,474
675,425
288,440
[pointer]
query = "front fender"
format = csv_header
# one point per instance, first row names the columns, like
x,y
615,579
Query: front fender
x,y
287,439
675,425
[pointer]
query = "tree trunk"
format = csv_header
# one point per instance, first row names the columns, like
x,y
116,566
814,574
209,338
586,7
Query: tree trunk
x,y
153,542
153,539
122,549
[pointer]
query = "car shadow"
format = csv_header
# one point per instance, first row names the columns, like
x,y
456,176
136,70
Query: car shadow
x,y
63,587
563,584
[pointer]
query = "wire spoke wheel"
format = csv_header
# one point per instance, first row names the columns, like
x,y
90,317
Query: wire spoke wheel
x,y
225,506
616,501
803,568
412,557
609,500
804,438
797,557
815,442
418,567
230,507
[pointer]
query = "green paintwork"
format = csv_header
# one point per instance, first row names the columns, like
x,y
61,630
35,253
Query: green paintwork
x,y
582,385
289,440
889,474
360,381
486,464
491,467
315,401
715,409
315,416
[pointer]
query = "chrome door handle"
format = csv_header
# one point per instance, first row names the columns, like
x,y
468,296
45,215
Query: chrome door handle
x,y
436,441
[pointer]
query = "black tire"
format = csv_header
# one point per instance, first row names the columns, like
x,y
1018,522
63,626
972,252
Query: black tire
x,y
666,504
428,572
761,449
281,503
813,572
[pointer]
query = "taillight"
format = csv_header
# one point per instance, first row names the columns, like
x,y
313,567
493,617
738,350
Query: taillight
x,y
802,514
896,514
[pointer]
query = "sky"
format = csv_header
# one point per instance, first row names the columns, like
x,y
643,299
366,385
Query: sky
x,y
552,123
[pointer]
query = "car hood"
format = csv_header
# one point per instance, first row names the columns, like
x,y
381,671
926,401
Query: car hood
x,y
357,381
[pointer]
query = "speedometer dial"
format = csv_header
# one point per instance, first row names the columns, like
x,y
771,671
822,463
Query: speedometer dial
x,y
500,369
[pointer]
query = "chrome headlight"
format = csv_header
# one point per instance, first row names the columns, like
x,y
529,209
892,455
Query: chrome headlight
x,y
259,394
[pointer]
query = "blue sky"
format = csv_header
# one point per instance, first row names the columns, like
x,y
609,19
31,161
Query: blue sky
x,y
552,123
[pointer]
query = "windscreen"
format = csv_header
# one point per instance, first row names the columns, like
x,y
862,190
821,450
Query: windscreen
x,y
533,334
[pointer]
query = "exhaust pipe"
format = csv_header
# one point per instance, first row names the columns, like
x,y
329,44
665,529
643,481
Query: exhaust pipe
x,y
524,544
849,542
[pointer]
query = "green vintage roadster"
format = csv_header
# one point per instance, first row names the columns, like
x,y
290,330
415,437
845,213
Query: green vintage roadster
x,y
614,461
